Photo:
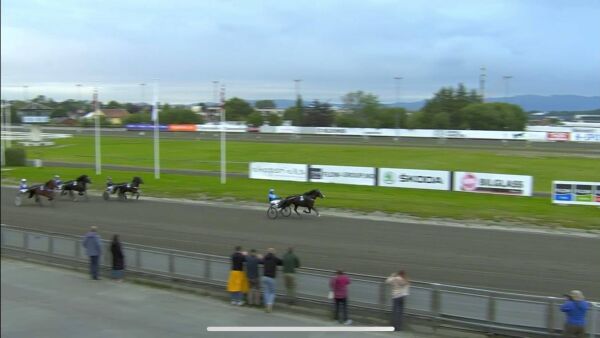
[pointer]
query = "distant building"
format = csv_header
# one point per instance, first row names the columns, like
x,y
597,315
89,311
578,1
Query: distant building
x,y
271,111
114,116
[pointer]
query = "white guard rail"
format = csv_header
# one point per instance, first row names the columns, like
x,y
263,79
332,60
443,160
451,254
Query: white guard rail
x,y
484,310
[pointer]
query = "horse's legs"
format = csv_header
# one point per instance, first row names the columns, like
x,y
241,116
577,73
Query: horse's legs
x,y
296,209
317,211
309,206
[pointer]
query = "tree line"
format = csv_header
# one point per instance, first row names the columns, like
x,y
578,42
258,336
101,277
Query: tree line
x,y
449,108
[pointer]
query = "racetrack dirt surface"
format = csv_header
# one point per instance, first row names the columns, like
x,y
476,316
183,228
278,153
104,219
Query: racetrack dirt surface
x,y
536,262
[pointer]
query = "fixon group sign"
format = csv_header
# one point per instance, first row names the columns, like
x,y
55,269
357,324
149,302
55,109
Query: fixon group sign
x,y
342,174
414,178
574,192
488,183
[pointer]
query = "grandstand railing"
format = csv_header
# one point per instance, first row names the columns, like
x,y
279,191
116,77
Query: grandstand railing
x,y
484,310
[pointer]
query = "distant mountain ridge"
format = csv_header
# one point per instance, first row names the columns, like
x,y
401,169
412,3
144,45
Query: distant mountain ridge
x,y
527,102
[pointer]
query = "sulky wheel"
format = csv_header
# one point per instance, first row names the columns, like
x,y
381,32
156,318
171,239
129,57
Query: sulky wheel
x,y
272,212
286,212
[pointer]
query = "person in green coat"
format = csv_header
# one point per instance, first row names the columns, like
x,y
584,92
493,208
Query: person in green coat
x,y
290,264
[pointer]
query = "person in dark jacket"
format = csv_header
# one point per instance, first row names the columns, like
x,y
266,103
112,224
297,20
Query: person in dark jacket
x,y
270,263
118,259
290,263
93,249
252,264
237,283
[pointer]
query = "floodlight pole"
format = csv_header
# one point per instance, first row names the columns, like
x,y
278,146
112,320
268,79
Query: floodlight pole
x,y
397,123
2,142
156,134
97,132
223,139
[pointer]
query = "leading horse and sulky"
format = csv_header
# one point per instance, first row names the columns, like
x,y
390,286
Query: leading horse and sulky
x,y
306,200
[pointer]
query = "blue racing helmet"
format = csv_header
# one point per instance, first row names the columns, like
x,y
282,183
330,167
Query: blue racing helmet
x,y
271,190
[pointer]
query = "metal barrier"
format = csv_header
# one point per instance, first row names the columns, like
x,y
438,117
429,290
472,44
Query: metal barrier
x,y
484,310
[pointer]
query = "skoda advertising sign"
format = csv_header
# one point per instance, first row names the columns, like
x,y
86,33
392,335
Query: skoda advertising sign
x,y
342,174
487,183
414,178
573,192
278,171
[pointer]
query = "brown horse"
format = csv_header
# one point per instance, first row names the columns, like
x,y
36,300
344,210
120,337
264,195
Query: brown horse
x,y
46,190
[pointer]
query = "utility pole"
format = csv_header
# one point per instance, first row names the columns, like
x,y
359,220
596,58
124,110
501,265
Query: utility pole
x,y
215,98
397,82
482,76
297,86
223,139
97,132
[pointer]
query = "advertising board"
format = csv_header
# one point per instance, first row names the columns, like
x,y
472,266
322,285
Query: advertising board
x,y
342,174
585,137
489,183
182,127
230,128
278,171
557,136
145,127
35,119
414,178
574,192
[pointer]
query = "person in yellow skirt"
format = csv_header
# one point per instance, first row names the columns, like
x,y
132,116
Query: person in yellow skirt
x,y
237,284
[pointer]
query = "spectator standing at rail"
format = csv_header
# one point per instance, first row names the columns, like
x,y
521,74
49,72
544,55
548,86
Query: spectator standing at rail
x,y
270,263
339,285
290,264
575,307
118,259
237,283
400,290
252,263
93,249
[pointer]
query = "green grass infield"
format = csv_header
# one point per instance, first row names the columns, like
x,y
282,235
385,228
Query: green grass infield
x,y
205,155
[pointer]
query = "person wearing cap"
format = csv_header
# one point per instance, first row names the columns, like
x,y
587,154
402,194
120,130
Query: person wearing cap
x,y
273,197
23,187
575,307
57,181
109,184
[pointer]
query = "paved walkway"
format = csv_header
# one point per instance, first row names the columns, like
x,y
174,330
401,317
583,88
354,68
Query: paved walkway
x,y
44,301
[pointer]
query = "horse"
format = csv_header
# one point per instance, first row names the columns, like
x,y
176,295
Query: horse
x,y
122,188
79,185
306,200
46,190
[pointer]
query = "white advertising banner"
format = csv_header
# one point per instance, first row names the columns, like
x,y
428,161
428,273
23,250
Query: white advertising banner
x,y
342,174
573,192
35,119
487,183
229,128
414,178
278,171
586,137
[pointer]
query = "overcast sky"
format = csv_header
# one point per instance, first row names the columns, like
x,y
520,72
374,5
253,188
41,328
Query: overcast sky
x,y
257,48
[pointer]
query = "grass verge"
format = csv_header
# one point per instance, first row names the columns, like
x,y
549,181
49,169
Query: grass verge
x,y
419,203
